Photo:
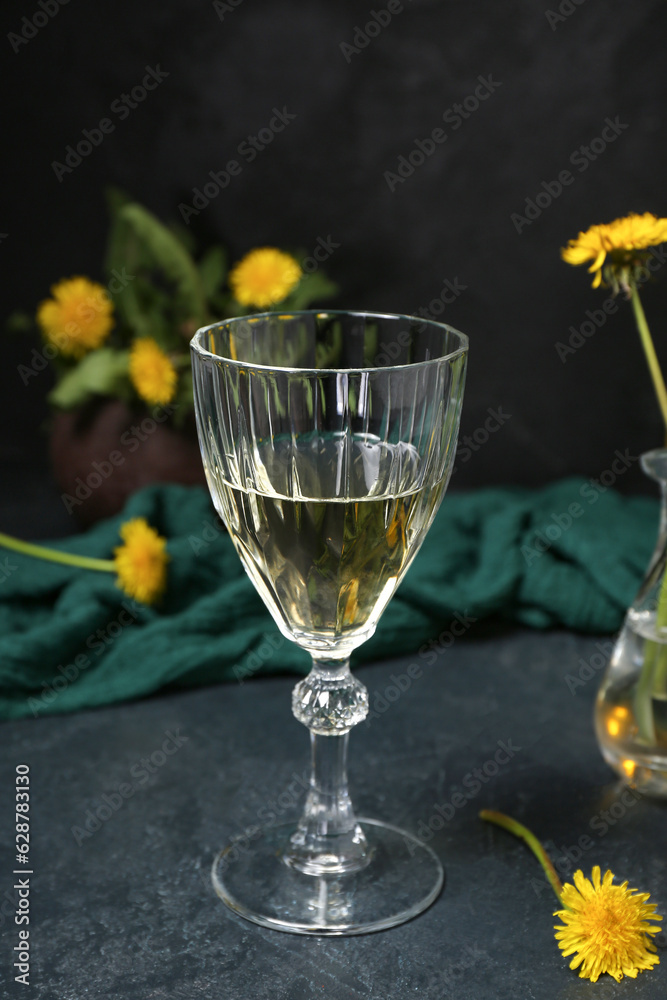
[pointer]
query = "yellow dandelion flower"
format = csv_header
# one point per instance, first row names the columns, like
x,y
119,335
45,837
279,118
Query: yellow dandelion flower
x,y
141,563
606,927
620,240
151,371
78,318
264,277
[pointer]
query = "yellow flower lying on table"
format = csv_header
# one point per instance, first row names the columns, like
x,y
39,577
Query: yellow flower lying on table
x,y
140,563
78,318
152,372
264,277
605,926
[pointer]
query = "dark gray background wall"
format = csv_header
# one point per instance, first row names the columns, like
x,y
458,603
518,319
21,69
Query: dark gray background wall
x,y
554,74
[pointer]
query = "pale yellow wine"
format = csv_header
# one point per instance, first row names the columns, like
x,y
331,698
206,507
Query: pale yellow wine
x,y
326,532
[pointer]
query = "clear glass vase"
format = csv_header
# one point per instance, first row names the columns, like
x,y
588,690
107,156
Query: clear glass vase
x,y
631,706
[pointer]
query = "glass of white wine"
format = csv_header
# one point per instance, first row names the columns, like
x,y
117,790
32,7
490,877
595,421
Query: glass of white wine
x,y
328,440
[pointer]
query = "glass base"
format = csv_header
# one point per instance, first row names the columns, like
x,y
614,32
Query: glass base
x,y
402,878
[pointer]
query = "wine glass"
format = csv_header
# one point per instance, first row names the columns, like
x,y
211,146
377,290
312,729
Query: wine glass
x,y
328,440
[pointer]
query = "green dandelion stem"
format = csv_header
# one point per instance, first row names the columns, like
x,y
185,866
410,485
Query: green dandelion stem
x,y
651,356
521,831
54,555
643,697
654,671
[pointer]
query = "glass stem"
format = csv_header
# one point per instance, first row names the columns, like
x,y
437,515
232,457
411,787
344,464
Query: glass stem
x,y
329,799
328,839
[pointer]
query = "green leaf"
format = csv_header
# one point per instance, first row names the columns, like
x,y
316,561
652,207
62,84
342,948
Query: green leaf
x,y
170,255
133,310
184,236
102,372
125,256
312,287
118,253
212,270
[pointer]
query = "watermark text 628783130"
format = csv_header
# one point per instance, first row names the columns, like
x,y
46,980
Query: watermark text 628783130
x,y
21,950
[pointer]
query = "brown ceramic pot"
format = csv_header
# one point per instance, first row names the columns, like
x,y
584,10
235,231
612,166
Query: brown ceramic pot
x,y
103,452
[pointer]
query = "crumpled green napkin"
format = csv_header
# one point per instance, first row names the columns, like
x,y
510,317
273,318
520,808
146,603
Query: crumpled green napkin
x,y
570,554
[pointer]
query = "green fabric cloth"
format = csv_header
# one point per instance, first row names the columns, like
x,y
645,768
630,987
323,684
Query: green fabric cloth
x,y
528,556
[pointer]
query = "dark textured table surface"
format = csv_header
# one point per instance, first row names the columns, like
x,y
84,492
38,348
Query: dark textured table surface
x,y
128,909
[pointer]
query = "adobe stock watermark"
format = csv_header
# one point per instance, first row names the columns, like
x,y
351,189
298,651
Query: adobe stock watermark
x,y
580,158
591,667
565,9
323,249
6,569
222,8
400,683
596,318
96,643
567,858
255,660
458,627
130,440
471,785
249,149
30,26
590,492
121,108
87,309
471,443
449,293
364,34
391,350
8,901
268,814
454,116
111,802
210,532
380,701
